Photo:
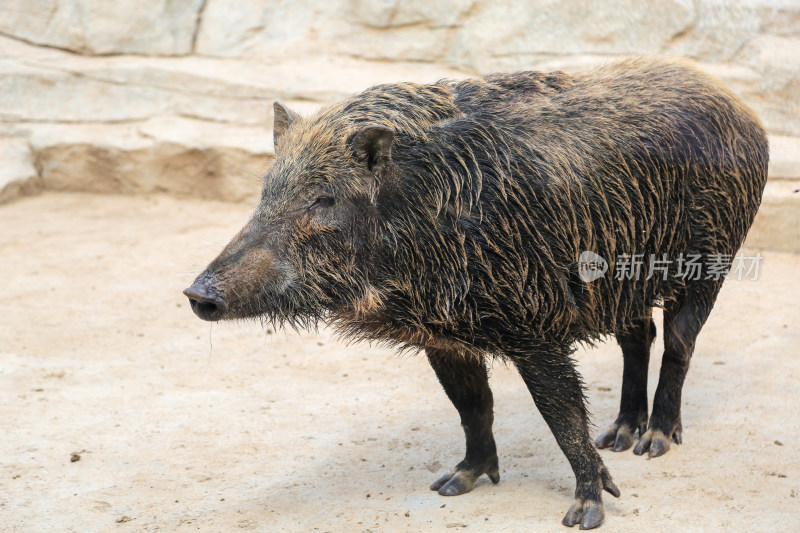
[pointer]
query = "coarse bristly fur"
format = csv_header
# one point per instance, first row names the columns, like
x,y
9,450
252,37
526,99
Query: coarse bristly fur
x,y
450,217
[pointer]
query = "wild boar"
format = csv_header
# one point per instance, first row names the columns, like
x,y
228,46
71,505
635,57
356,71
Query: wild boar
x,y
451,218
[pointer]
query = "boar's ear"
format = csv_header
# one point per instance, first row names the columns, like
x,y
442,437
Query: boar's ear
x,y
372,145
284,117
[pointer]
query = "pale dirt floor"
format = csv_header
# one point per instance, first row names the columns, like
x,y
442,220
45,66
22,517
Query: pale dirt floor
x,y
181,426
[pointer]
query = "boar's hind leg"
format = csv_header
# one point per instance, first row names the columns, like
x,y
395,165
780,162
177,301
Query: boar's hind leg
x,y
466,383
635,342
556,388
683,318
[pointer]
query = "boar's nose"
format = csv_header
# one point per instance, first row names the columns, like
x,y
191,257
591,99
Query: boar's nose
x,y
205,301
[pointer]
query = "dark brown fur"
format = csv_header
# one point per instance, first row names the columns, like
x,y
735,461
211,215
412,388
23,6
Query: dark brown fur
x,y
450,217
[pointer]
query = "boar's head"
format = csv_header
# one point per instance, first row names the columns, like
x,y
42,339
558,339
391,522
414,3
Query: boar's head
x,y
307,248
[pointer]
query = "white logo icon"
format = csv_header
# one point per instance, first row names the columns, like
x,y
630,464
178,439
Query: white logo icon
x,y
591,266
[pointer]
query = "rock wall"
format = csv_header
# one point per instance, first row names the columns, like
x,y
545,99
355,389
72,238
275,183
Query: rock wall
x,y
175,96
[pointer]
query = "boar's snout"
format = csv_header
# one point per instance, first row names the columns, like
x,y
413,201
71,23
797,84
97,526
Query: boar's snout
x,y
206,302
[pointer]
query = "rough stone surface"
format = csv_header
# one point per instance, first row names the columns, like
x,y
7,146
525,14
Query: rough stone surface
x,y
268,29
18,176
182,157
775,90
784,157
155,27
517,30
177,96
776,225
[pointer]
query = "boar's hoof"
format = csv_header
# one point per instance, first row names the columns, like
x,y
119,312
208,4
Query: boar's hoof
x,y
656,442
588,513
463,479
619,436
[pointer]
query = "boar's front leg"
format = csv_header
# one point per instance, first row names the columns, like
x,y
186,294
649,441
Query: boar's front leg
x,y
555,385
466,383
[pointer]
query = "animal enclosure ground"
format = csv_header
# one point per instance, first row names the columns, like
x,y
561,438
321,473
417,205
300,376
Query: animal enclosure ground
x,y
121,411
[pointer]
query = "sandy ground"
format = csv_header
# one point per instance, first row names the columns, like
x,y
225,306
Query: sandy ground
x,y
181,426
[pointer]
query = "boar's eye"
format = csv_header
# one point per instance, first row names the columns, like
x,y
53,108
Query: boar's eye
x,y
322,201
